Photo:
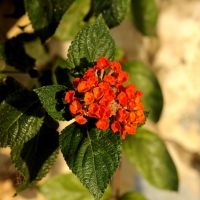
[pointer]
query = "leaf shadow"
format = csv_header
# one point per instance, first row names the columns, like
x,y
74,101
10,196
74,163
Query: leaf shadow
x,y
77,70
47,31
25,101
37,151
63,77
61,106
15,54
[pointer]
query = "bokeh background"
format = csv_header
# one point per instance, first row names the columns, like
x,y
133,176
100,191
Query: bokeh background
x,y
174,57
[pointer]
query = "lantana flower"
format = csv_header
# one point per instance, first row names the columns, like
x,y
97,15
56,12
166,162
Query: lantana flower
x,y
105,98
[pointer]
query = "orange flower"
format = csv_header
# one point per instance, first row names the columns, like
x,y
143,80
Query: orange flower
x,y
83,86
102,63
115,126
89,72
130,91
110,79
131,117
69,96
89,97
102,124
138,95
140,116
98,93
76,81
75,107
105,102
93,110
104,98
104,86
107,112
80,119
92,80
121,115
130,128
123,133
115,66
110,94
122,98
122,77
139,106
131,104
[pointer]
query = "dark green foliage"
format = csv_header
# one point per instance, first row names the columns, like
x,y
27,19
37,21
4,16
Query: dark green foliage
x,y
145,15
21,117
45,15
34,158
14,53
92,155
52,98
113,12
92,42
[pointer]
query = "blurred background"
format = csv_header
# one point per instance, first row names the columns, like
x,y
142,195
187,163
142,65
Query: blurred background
x,y
174,58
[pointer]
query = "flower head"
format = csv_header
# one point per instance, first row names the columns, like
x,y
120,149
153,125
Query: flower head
x,y
106,99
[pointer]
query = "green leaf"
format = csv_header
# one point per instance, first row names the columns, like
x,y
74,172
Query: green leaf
x,y
113,12
146,81
147,152
92,42
92,155
132,196
72,20
36,50
14,53
45,15
145,15
20,118
34,158
68,186
52,98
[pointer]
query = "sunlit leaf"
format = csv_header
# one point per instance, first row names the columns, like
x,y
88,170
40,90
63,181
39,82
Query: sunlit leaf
x,y
145,15
113,12
36,50
20,118
92,42
147,152
92,155
72,20
67,186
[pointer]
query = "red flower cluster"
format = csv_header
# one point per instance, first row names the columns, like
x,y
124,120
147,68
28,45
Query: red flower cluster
x,y
106,99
